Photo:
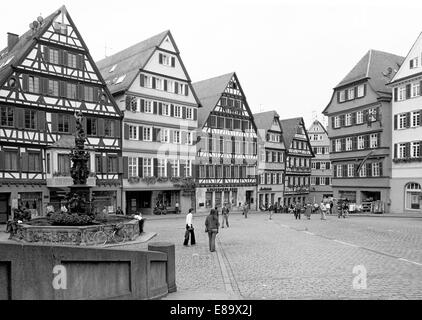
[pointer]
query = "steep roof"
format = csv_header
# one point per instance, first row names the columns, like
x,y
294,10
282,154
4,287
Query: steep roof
x,y
24,43
209,92
374,67
129,61
264,120
317,123
289,127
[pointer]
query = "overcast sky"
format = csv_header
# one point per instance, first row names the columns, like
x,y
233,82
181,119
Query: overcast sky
x,y
288,55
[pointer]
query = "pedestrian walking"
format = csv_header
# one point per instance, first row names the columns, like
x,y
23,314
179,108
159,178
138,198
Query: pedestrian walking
x,y
327,208
245,210
323,210
271,211
225,212
308,211
176,208
331,206
189,229
211,227
298,209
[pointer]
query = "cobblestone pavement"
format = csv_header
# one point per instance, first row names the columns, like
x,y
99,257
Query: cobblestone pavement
x,y
285,258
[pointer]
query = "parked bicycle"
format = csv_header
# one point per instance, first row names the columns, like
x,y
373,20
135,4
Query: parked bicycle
x,y
116,236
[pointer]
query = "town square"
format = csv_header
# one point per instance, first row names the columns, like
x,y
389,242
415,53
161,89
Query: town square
x,y
185,163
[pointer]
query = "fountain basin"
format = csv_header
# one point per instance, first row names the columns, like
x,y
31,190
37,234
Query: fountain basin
x,y
39,231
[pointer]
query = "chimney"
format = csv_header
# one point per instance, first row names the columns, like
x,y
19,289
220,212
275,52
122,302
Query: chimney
x,y
12,40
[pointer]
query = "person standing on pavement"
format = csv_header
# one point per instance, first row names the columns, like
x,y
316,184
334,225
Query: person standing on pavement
x,y
225,212
245,210
331,206
323,210
211,227
271,210
176,207
189,229
308,211
327,208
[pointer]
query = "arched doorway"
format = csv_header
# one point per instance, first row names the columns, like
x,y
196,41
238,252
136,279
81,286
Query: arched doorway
x,y
413,196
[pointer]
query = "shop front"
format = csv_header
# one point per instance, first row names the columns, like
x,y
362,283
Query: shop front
x,y
234,197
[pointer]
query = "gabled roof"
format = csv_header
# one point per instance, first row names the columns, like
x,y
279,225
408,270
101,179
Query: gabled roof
x,y
129,62
25,43
289,127
374,67
209,92
317,123
264,120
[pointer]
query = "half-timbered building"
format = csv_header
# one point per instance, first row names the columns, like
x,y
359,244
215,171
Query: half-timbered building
x,y
271,152
298,161
45,76
152,87
227,145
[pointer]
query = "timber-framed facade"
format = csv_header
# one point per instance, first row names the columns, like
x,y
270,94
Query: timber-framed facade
x,y
227,145
47,75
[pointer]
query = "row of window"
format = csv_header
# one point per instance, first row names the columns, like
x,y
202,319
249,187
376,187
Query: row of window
x,y
316,137
274,137
155,107
320,181
13,160
271,178
166,60
147,133
368,141
296,181
226,171
56,88
231,105
321,150
21,118
407,150
103,164
321,165
408,91
351,93
272,156
355,118
63,58
407,120
298,162
299,145
227,145
219,122
149,167
349,170
162,84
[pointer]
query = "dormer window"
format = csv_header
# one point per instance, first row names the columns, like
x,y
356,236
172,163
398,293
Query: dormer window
x,y
112,68
351,93
414,63
342,96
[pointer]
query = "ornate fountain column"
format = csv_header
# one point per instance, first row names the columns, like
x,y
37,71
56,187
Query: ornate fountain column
x,y
79,198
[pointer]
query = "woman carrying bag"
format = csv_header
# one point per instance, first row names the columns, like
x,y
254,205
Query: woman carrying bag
x,y
211,226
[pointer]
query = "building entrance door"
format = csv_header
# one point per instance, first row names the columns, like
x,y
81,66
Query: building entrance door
x,y
249,198
4,207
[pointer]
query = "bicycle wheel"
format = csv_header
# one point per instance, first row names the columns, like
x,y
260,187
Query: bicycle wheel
x,y
119,237
100,237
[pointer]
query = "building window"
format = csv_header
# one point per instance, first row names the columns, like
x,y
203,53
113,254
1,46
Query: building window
x,y
336,122
165,135
63,164
413,194
188,168
147,105
415,90
350,169
112,162
159,84
402,150
176,137
348,119
362,171
161,167
6,116
359,117
133,132
147,167
30,119
71,90
373,140
351,93
339,171
338,145
178,111
349,143
164,59
147,81
89,93
372,115
175,168
147,134
63,122
72,60
402,93
361,90
53,88
33,84
133,166
402,121
166,109
342,97
415,149
91,126
10,160
189,113
361,142
375,169
109,128
54,56
188,138
416,118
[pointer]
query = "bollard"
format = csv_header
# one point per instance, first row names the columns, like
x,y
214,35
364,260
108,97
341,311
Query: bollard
x,y
169,249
